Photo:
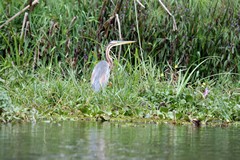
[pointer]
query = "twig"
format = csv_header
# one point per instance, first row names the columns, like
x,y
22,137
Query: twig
x,y
26,29
174,21
20,12
24,24
22,31
139,38
120,35
140,3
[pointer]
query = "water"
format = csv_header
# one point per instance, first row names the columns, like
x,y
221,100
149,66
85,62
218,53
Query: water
x,y
90,140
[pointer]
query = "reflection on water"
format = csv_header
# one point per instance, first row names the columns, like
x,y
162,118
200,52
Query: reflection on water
x,y
92,140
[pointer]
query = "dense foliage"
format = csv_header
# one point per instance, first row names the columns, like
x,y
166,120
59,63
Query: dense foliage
x,y
205,28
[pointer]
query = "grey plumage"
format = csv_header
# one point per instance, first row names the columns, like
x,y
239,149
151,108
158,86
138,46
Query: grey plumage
x,y
100,76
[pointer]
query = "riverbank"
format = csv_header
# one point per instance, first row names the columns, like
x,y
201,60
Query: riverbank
x,y
47,95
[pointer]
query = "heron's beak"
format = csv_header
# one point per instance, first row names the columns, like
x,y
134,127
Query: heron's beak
x,y
117,43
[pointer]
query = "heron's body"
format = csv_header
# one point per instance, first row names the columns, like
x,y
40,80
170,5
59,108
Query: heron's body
x,y
101,71
100,75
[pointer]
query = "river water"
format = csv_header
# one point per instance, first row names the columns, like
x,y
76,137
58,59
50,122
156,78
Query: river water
x,y
112,141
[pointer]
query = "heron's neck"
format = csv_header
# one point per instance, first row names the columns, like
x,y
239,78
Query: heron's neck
x,y
108,57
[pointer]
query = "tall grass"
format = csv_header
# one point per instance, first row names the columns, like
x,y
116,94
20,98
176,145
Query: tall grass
x,y
205,28
48,95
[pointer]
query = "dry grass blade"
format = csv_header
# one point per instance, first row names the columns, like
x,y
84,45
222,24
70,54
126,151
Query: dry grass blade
x,y
174,21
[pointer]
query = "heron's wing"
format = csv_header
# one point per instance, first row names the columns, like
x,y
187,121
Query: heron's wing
x,y
100,75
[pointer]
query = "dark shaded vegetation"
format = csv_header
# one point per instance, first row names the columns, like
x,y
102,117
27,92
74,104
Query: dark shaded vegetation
x,y
204,29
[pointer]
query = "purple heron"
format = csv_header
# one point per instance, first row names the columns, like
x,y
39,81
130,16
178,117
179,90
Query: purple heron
x,y
101,71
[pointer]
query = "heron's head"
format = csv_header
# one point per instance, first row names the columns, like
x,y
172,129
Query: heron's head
x,y
113,44
118,43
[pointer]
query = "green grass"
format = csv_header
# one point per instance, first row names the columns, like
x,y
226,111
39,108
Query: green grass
x,y
47,95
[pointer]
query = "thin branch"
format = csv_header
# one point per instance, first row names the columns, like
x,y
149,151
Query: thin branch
x,y
26,29
24,24
20,12
174,21
22,31
120,35
140,3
